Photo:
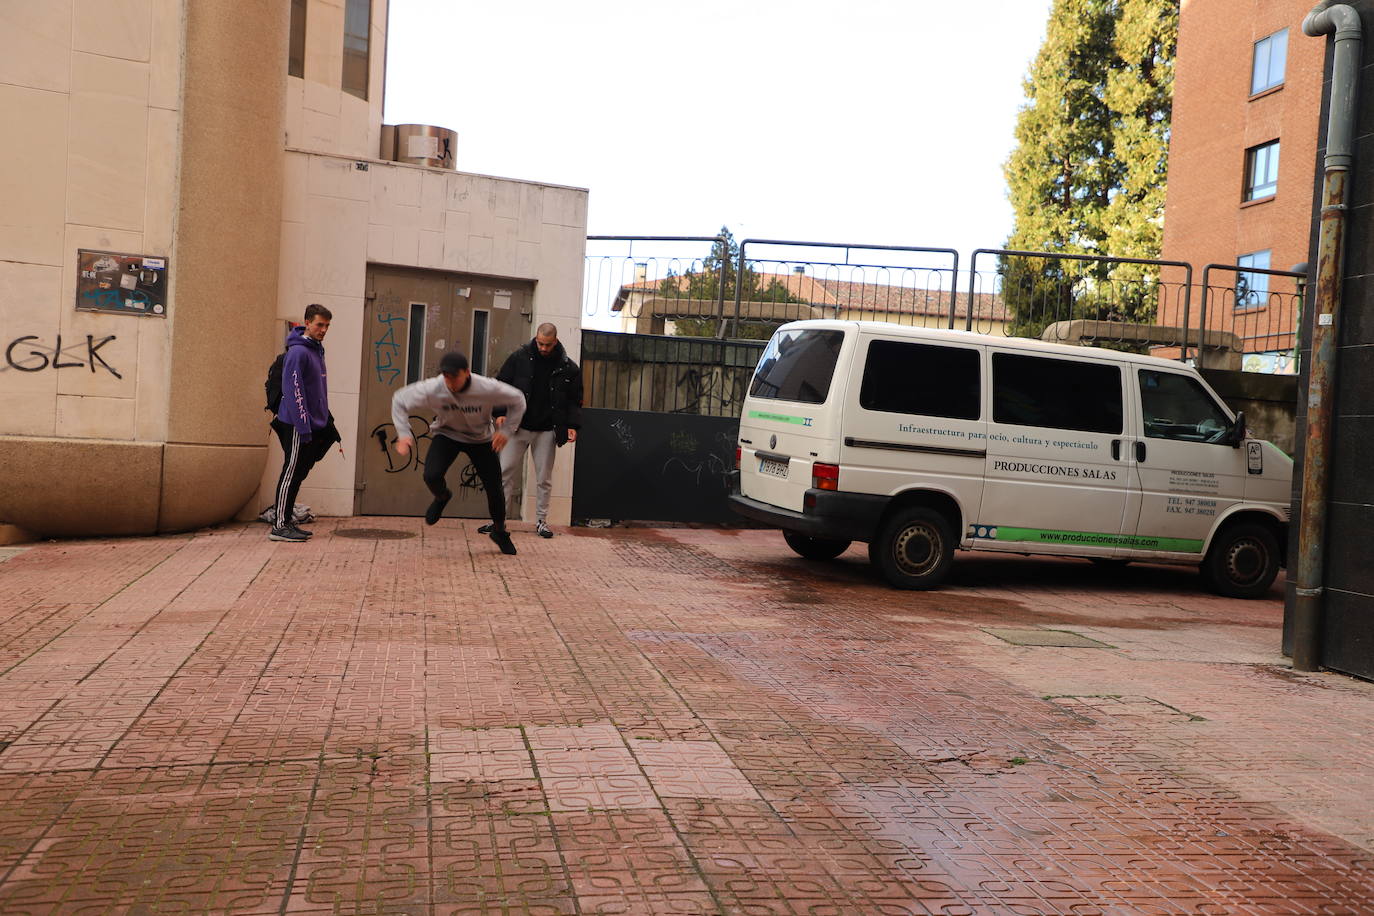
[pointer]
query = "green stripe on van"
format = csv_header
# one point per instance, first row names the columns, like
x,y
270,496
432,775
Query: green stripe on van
x,y
779,418
1097,539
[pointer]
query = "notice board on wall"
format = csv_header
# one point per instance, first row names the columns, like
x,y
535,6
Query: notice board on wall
x,y
125,284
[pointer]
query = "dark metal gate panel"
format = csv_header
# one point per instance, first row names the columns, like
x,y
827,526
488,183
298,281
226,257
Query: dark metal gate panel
x,y
659,427
661,467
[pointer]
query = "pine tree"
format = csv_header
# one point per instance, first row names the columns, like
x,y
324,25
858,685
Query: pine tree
x,y
1140,95
705,285
1087,174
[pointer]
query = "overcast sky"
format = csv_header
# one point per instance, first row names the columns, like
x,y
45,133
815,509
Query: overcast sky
x,y
871,121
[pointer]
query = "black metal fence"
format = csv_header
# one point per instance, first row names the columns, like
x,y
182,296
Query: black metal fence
x,y
687,375
700,286
1237,316
1262,307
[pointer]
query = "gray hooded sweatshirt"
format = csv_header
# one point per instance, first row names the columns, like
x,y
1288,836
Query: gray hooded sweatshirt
x,y
463,417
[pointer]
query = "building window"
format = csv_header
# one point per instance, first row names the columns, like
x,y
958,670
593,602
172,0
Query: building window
x,y
415,343
1262,171
1252,289
1271,55
357,33
295,62
481,329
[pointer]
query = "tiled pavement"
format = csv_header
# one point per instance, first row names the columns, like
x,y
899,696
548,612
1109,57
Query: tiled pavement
x,y
655,721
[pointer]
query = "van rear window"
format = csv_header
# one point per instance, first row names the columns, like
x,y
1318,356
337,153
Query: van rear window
x,y
1056,393
797,366
922,379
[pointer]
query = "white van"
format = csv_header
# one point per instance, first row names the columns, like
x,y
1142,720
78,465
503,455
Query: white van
x,y
919,440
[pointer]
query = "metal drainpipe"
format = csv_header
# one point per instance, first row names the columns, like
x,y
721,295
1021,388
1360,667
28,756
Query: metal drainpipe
x,y
1345,74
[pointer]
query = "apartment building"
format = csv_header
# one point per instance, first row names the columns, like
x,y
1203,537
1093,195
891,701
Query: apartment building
x,y
1242,162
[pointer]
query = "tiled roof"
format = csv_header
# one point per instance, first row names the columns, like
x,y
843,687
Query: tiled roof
x,y
829,294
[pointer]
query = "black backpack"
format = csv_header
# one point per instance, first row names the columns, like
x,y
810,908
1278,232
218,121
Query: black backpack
x,y
273,384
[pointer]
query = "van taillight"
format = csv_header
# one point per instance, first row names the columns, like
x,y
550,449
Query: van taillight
x,y
738,451
825,476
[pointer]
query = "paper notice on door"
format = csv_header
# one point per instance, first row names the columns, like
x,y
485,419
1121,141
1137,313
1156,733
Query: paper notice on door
x,y
501,299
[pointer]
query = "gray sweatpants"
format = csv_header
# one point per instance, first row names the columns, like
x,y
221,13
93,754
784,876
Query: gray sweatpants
x,y
542,448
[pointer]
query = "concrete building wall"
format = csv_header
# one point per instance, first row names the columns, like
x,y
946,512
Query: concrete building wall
x,y
132,131
342,208
336,219
170,128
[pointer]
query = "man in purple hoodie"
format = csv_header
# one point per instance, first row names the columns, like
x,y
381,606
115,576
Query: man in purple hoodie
x,y
303,422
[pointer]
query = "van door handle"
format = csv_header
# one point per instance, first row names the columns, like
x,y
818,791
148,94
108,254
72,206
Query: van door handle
x,y
1116,449
1139,452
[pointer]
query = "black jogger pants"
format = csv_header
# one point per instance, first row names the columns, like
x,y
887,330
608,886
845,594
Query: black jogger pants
x,y
440,457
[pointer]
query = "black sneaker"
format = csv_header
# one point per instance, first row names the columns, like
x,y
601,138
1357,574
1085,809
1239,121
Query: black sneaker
x,y
289,533
436,508
488,528
305,531
542,529
502,540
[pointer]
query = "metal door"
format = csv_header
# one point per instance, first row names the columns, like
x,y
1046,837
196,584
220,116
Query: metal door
x,y
411,318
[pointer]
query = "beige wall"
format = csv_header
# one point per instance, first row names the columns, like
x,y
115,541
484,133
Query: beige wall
x,y
92,105
336,219
158,127
320,116
343,208
144,132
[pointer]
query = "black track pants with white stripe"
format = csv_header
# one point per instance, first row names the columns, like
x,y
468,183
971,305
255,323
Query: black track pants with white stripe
x,y
297,459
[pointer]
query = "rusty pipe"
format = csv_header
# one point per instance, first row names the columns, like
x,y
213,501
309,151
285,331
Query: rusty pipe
x,y
1308,602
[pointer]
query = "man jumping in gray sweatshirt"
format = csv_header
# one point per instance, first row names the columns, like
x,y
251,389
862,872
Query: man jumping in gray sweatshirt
x,y
462,405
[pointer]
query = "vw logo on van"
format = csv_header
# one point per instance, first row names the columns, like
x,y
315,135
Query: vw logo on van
x,y
772,441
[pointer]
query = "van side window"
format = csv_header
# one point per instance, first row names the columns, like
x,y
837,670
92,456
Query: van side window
x,y
1056,393
798,366
1177,407
931,381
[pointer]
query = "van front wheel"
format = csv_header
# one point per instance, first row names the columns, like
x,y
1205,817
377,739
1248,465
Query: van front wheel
x,y
914,549
1242,561
814,548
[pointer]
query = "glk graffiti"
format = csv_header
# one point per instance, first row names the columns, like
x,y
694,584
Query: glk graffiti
x,y
29,354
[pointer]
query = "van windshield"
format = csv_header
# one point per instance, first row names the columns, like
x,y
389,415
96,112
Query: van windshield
x,y
798,366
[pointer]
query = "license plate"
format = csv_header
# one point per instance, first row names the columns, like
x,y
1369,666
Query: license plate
x,y
773,467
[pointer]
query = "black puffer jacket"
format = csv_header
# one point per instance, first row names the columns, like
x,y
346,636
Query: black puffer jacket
x,y
565,386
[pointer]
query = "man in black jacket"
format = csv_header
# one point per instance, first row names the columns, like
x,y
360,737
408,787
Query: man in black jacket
x,y
552,384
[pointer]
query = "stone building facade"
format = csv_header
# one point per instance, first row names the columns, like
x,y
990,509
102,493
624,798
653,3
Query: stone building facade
x,y
221,162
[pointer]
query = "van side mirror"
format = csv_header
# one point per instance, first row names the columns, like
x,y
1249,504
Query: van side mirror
x,y
1237,433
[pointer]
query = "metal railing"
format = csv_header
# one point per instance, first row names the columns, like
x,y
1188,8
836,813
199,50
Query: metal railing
x,y
850,284
693,375
643,291
1263,317
1076,298
1237,317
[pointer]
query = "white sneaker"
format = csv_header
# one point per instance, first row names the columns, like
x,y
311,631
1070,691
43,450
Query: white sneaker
x,y
542,529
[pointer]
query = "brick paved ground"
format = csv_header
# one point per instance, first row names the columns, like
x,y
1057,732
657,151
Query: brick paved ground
x,y
655,721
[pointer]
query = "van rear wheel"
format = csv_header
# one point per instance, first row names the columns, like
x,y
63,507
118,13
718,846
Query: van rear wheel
x,y
814,548
1242,561
914,549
